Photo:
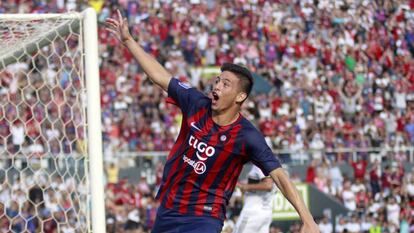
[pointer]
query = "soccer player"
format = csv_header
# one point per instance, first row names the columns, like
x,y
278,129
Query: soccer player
x,y
256,215
214,143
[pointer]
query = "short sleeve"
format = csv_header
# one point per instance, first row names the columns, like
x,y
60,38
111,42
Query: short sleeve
x,y
184,95
260,153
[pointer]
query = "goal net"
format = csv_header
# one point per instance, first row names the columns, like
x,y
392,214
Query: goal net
x,y
49,111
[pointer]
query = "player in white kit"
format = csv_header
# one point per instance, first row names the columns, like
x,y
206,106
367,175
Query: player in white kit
x,y
256,215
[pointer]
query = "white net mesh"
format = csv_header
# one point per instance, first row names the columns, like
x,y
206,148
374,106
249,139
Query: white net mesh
x,y
43,163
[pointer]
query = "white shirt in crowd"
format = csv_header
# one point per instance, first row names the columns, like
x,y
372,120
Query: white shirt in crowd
x,y
353,227
393,213
349,199
340,227
52,133
358,187
36,148
17,134
336,176
410,189
400,100
326,227
317,144
366,225
374,208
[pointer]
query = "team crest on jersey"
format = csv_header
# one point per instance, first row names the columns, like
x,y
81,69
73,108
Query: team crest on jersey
x,y
224,138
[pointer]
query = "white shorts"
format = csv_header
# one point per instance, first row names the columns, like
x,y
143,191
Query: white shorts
x,y
253,221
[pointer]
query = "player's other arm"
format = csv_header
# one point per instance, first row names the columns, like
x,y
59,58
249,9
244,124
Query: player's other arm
x,y
155,71
263,157
288,190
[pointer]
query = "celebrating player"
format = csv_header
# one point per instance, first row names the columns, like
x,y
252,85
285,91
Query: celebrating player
x,y
214,143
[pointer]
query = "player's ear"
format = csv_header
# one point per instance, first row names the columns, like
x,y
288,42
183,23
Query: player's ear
x,y
241,97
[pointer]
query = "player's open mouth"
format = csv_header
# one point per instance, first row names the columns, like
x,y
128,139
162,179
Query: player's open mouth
x,y
215,96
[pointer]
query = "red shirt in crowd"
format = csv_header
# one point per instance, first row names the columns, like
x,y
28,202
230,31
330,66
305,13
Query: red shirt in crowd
x,y
386,179
310,174
360,168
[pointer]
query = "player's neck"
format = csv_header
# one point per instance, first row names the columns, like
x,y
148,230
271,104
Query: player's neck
x,y
226,117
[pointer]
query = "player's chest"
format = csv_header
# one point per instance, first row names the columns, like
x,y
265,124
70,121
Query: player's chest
x,y
207,138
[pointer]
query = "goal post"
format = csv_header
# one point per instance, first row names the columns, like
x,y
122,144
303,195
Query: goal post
x,y
94,120
50,123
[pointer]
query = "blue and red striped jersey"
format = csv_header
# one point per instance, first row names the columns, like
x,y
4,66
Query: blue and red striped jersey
x,y
203,166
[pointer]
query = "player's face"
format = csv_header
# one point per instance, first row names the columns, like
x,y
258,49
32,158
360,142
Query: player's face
x,y
226,91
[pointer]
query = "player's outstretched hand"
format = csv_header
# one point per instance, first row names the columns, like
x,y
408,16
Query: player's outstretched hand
x,y
119,27
310,227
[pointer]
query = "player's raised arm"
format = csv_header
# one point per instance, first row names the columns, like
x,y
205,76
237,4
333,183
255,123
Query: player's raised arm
x,y
290,192
155,71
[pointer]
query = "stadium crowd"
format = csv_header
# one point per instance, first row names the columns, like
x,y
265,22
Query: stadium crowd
x,y
341,72
335,85
380,198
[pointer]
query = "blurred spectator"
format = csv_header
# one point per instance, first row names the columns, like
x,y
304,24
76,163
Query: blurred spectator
x,y
393,211
348,196
325,226
335,174
374,177
311,172
112,173
341,225
354,225
360,168
143,186
17,130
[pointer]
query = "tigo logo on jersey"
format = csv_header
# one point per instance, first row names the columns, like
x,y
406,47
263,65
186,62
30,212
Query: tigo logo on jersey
x,y
204,151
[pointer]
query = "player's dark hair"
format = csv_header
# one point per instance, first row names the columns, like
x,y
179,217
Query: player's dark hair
x,y
244,74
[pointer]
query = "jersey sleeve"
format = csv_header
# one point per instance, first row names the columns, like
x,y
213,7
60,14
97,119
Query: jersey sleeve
x,y
183,95
260,153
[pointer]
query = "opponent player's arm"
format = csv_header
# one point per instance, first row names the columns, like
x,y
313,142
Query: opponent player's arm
x,y
264,185
288,190
155,71
261,155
